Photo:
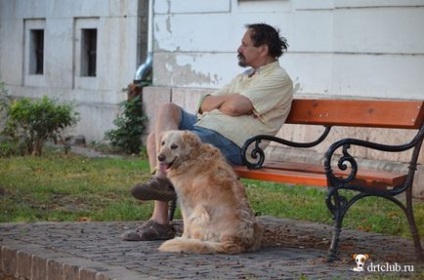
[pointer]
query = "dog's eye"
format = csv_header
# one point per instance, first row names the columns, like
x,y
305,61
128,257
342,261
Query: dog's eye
x,y
162,143
173,147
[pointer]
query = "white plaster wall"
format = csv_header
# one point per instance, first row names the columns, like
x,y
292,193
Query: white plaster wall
x,y
119,53
340,48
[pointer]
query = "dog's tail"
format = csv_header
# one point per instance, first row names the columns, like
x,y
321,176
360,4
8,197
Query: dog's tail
x,y
184,245
258,235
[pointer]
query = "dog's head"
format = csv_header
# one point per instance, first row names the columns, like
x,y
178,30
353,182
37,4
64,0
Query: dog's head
x,y
175,147
360,260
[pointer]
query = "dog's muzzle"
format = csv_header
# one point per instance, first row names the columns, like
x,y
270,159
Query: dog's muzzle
x,y
163,165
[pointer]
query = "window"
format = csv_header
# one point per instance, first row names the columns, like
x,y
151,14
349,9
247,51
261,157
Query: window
x,y
88,52
36,56
35,52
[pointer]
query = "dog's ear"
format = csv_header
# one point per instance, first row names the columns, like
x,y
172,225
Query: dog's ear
x,y
191,139
354,256
366,256
210,151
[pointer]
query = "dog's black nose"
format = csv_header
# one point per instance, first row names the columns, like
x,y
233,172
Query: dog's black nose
x,y
161,157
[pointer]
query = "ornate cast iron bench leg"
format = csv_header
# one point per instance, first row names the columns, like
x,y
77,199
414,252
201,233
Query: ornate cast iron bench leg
x,y
337,206
413,226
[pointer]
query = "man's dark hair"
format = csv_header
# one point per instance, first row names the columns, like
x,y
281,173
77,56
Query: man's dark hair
x,y
265,34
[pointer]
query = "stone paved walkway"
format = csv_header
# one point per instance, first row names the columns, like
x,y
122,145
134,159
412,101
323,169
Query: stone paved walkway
x,y
292,250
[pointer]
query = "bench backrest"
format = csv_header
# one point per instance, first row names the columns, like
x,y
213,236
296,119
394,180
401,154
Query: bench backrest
x,y
362,113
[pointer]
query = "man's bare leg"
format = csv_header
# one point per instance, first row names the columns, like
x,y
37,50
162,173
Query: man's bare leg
x,y
168,118
158,227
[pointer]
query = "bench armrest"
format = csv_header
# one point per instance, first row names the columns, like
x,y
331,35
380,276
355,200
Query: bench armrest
x,y
253,155
345,159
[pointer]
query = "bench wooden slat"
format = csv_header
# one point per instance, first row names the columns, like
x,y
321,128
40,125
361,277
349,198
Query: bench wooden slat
x,y
389,178
313,174
359,113
282,176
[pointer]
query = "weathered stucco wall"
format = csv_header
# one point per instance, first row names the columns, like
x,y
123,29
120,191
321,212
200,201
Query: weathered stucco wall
x,y
345,47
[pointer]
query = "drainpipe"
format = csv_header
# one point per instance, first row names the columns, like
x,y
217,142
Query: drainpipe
x,y
144,68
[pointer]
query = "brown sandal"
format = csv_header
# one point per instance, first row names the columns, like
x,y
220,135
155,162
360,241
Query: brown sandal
x,y
149,231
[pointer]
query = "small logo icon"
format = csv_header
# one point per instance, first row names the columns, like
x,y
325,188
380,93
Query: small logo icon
x,y
360,260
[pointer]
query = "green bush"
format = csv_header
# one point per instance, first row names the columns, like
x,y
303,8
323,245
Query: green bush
x,y
5,100
33,122
130,127
7,149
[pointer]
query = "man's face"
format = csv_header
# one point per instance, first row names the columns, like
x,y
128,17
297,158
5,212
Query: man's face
x,y
248,54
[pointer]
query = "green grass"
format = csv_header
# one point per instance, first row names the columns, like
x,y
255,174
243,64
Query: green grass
x,y
370,214
59,187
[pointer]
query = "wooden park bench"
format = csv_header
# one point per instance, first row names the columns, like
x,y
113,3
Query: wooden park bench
x,y
340,169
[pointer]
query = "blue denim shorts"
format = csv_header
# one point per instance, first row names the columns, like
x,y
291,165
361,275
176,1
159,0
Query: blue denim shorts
x,y
229,149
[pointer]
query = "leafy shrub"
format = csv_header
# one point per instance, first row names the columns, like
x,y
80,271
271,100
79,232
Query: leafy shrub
x,y
7,149
130,127
5,100
33,122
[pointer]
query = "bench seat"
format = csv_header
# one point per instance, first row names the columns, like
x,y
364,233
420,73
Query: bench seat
x,y
313,175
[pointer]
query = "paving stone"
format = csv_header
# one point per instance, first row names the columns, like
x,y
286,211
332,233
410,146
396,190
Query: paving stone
x,y
9,260
23,268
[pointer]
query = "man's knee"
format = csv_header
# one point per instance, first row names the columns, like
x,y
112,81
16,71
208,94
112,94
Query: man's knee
x,y
169,114
169,108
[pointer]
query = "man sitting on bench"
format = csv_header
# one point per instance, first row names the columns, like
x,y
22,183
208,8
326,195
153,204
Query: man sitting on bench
x,y
254,102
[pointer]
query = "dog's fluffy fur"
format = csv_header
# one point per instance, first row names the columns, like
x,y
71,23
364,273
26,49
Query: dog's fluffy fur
x,y
216,213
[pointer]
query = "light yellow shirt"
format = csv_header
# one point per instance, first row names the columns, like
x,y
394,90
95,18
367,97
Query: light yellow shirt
x,y
270,90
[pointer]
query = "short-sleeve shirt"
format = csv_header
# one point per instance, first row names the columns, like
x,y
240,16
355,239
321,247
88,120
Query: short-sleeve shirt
x,y
270,90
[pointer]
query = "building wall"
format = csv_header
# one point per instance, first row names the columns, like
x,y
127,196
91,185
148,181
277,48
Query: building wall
x,y
372,48
121,47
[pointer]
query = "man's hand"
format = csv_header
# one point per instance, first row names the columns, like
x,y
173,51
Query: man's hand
x,y
237,105
230,104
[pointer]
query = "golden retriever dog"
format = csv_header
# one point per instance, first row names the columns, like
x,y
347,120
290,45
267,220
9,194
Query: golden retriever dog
x,y
216,214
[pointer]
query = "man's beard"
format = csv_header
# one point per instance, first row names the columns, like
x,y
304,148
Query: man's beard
x,y
242,60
